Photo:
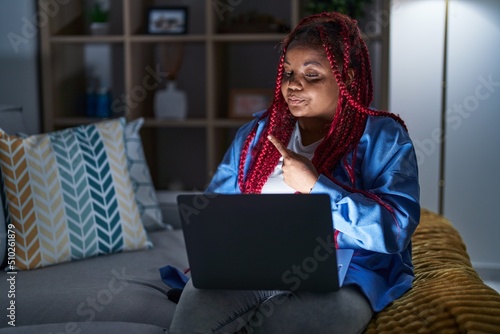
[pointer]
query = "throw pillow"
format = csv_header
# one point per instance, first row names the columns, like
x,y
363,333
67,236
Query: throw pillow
x,y
145,192
69,195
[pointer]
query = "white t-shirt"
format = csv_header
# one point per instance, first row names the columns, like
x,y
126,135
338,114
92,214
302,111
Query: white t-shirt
x,y
275,183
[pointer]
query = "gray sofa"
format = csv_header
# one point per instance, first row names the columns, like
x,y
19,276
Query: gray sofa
x,y
123,292
117,293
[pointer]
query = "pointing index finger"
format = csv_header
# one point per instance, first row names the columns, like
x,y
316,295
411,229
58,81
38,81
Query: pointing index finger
x,y
279,145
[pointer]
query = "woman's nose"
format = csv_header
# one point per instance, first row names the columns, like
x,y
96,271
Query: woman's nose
x,y
293,83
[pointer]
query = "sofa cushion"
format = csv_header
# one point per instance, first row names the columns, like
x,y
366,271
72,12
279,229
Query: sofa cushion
x,y
118,287
448,296
88,328
69,194
145,194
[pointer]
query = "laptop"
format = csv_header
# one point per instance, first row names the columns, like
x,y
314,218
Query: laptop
x,y
262,242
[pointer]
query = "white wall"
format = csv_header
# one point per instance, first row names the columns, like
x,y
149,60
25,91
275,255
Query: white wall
x,y
472,146
472,196
416,66
18,60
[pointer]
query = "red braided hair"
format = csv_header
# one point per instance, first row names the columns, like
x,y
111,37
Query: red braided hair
x,y
346,50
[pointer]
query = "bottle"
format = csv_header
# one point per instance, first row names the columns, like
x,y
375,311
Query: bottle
x,y
103,104
170,102
90,102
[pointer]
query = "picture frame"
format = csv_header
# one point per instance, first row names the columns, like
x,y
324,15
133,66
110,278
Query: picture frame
x,y
243,103
167,20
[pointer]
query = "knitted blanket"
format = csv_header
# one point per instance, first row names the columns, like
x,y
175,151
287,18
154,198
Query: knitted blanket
x,y
447,295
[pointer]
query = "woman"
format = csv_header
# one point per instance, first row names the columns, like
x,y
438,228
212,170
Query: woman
x,y
320,136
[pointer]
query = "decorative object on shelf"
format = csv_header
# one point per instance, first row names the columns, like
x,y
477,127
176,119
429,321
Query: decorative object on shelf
x,y
245,102
99,17
253,22
353,8
170,102
103,103
98,101
90,101
167,20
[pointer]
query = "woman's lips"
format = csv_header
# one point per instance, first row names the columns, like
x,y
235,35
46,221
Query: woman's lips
x,y
295,100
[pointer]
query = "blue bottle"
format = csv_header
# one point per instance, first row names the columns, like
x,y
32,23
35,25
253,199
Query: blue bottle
x,y
103,105
90,102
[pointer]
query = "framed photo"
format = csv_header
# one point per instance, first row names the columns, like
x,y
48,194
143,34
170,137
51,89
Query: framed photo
x,y
167,20
245,102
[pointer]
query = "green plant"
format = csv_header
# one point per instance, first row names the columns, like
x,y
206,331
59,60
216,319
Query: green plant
x,y
98,13
353,8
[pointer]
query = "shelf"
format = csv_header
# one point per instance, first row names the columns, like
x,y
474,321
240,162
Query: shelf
x,y
86,39
248,37
168,38
171,123
230,123
159,123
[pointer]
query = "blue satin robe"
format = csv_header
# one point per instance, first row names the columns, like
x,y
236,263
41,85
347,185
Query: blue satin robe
x,y
386,166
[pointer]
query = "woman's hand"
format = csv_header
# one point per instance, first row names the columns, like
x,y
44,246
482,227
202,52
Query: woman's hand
x,y
298,171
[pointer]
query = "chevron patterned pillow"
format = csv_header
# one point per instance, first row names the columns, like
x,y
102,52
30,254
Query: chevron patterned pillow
x,y
69,195
145,193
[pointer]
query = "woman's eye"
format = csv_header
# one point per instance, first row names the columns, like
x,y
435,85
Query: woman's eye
x,y
307,76
312,75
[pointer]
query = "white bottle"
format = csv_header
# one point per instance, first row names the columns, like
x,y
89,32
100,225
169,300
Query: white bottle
x,y
170,103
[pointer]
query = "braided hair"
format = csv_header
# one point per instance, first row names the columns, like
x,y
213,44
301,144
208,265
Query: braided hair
x,y
346,50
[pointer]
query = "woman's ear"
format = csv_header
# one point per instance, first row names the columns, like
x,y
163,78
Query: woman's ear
x,y
350,77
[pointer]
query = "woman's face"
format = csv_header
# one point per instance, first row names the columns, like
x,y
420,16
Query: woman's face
x,y
309,86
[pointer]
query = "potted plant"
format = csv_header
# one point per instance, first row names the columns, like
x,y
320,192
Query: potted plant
x,y
99,16
353,8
